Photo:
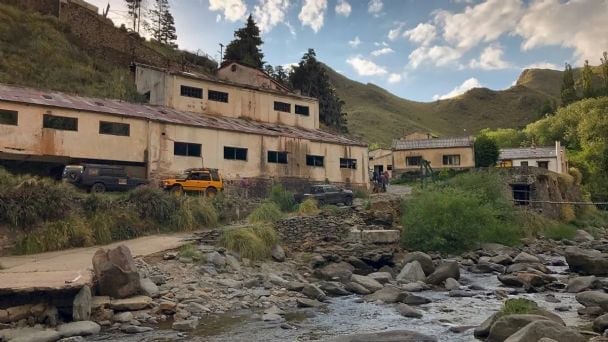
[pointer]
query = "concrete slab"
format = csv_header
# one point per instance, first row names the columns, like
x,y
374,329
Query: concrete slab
x,y
62,270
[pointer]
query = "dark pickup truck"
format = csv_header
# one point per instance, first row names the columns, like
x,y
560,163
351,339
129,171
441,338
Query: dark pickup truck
x,y
100,178
327,194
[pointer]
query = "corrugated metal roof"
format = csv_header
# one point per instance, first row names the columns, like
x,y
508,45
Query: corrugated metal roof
x,y
527,153
401,144
165,114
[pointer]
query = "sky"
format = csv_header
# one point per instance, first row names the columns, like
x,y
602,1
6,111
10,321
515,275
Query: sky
x,y
420,50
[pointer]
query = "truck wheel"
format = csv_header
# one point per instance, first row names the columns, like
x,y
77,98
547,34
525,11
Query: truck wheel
x,y
98,187
210,192
177,190
348,202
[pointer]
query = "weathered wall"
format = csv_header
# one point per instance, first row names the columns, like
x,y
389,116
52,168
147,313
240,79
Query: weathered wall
x,y
553,165
435,156
240,74
383,158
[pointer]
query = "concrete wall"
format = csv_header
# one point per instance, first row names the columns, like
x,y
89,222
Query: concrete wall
x,y
435,156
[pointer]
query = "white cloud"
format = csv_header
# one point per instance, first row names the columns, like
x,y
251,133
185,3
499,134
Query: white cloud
x,y
269,13
380,43
484,22
422,34
461,89
396,32
343,8
355,42
383,51
577,24
435,55
394,78
543,65
490,59
375,6
233,10
312,14
365,67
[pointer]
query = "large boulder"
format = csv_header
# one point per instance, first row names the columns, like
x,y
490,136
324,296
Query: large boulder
x,y
587,261
333,288
537,330
408,311
580,284
424,259
526,258
148,287
593,299
448,269
278,253
582,236
411,272
314,292
116,272
506,326
600,324
335,271
525,266
381,277
386,336
369,283
388,294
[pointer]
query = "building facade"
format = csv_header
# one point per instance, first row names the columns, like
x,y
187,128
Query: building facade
x,y
442,153
381,160
550,158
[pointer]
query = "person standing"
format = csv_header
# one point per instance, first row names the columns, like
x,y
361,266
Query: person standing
x,y
382,182
387,179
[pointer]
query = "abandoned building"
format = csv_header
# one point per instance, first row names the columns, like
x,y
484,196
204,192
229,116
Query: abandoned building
x,y
550,158
381,160
442,153
156,141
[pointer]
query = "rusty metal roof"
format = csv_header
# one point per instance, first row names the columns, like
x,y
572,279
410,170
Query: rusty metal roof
x,y
401,144
165,115
527,153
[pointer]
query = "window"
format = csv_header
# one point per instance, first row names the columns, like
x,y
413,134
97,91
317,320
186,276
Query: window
x,y
346,163
413,161
277,157
543,164
203,176
282,107
314,160
451,159
235,153
302,110
524,164
114,128
186,149
389,167
191,92
60,122
218,96
8,117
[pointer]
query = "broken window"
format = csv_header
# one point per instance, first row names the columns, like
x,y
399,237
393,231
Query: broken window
x,y
302,110
312,160
218,96
543,164
347,163
8,117
389,167
114,128
451,159
282,106
60,122
521,194
277,157
524,164
235,153
187,149
191,92
413,161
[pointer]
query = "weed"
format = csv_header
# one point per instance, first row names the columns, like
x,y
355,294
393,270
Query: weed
x,y
308,207
203,211
331,209
283,198
266,233
368,204
190,251
559,231
518,306
155,204
245,242
57,235
266,212
360,193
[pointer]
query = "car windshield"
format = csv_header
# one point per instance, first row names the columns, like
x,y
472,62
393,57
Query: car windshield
x,y
72,169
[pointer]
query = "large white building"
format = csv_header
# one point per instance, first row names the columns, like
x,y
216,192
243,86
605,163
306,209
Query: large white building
x,y
551,158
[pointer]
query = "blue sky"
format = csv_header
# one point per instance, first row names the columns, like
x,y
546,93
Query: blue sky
x,y
418,49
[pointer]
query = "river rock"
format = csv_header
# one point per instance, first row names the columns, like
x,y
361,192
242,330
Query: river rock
x,y
600,324
134,329
82,328
357,288
386,336
314,292
216,259
587,261
233,262
123,317
341,271
526,258
295,286
271,317
185,325
412,299
29,335
534,331
418,286
116,272
502,259
408,311
272,278
278,253
308,303
369,283
388,294
81,307
131,304
483,330
411,272
580,284
148,287
448,269
487,267
424,259
381,277
524,266
582,236
506,326
317,261
333,288
451,284
593,299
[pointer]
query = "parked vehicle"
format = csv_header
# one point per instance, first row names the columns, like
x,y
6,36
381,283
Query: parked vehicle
x,y
100,178
202,180
327,194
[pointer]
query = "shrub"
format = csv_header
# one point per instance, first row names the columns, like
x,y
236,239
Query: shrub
x,y
283,198
245,242
266,212
486,151
559,231
61,234
95,202
155,204
518,306
576,175
331,209
190,251
308,207
566,213
203,211
266,233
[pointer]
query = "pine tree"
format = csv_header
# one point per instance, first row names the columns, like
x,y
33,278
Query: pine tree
x,y
486,152
310,78
134,11
604,61
269,70
169,35
245,48
163,24
568,93
280,75
587,81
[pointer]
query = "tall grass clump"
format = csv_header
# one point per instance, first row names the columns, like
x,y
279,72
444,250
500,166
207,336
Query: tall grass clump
x,y
155,204
282,197
204,213
57,235
518,306
266,212
190,251
308,207
559,231
254,242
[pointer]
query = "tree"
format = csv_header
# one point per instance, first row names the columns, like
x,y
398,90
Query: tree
x,y
604,61
486,151
310,78
162,27
280,75
568,92
587,81
245,48
134,11
269,70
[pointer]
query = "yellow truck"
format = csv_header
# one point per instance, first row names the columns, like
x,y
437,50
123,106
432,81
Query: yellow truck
x,y
201,180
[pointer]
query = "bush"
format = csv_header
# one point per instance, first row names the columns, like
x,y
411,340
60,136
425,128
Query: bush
x,y
283,198
266,212
486,152
57,235
518,306
203,211
576,174
559,231
254,243
308,207
190,251
95,202
566,213
155,204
